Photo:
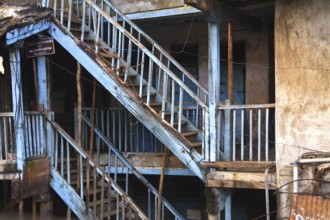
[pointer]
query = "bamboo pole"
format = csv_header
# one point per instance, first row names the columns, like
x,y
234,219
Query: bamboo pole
x,y
79,103
92,120
230,64
161,184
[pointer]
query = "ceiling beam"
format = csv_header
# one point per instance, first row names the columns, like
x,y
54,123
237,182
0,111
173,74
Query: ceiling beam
x,y
218,11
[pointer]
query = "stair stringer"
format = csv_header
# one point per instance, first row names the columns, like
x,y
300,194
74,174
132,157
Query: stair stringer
x,y
128,98
69,195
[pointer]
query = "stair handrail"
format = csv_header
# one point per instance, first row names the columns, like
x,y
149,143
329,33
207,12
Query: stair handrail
x,y
154,191
151,55
99,170
156,45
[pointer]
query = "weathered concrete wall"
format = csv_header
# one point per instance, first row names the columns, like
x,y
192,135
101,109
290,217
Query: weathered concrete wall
x,y
256,85
131,6
302,56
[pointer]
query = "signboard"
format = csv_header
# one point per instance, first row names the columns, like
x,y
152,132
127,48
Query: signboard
x,y
40,47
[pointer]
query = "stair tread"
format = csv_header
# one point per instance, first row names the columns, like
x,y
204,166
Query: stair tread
x,y
197,144
78,30
138,84
189,133
151,94
153,104
183,122
100,201
129,75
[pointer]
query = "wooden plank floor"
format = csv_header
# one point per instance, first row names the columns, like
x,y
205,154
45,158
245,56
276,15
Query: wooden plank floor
x,y
241,174
148,163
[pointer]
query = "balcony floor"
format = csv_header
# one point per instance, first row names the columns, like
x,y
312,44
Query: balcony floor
x,y
241,174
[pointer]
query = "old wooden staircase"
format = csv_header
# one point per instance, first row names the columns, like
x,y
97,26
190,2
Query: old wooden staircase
x,y
138,73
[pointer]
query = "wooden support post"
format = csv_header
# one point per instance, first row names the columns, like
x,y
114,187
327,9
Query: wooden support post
x,y
230,64
34,210
43,85
212,197
214,87
43,100
161,184
46,205
79,103
21,209
18,110
218,199
35,77
92,120
228,207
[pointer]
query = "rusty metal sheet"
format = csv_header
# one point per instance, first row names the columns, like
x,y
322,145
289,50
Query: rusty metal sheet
x,y
309,207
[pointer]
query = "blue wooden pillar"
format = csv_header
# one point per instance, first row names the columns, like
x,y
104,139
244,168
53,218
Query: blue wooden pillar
x,y
223,202
44,103
214,86
43,85
18,109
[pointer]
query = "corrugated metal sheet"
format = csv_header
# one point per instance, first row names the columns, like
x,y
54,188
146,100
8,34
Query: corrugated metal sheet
x,y
309,207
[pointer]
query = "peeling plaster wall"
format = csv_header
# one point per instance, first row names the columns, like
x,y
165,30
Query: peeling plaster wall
x,y
302,56
131,6
256,85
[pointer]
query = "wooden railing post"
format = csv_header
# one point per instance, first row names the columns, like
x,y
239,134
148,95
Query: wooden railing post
x,y
227,138
50,139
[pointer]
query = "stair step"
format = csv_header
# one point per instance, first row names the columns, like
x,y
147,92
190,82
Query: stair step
x,y
189,133
144,95
183,122
155,104
77,32
99,202
137,84
132,75
98,190
197,144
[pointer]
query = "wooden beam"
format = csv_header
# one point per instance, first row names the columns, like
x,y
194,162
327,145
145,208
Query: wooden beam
x,y
164,13
222,12
240,165
230,64
204,5
69,195
248,180
24,32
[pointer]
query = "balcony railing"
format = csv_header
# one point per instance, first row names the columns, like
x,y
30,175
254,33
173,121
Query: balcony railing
x,y
6,136
246,132
34,135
